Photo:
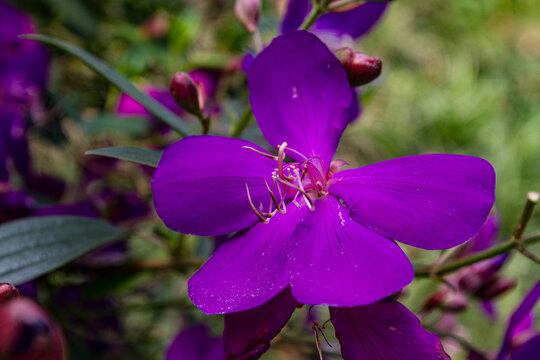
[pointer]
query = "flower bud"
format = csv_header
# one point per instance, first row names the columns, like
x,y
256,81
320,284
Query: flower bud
x,y
435,300
8,292
361,69
247,12
28,333
188,94
495,288
456,302
156,27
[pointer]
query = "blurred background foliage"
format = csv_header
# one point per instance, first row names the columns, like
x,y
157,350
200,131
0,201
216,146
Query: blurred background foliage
x,y
459,76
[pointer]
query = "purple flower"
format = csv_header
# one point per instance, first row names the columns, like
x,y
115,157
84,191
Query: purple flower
x,y
383,330
27,58
336,29
195,344
129,106
327,234
208,78
517,324
23,74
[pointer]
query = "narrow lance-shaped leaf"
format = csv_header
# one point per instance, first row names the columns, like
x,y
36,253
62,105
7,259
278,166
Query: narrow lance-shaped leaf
x,y
133,154
32,247
117,79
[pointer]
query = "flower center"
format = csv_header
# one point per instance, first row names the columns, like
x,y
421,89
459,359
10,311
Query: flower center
x,y
292,181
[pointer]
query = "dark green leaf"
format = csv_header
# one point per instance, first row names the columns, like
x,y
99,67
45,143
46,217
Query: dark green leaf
x,y
158,110
32,247
133,154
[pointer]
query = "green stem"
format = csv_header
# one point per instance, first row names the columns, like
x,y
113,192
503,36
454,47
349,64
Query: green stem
x,y
317,10
239,127
500,249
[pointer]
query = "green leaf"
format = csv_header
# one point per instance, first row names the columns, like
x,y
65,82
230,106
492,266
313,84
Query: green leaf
x,y
133,154
32,247
158,110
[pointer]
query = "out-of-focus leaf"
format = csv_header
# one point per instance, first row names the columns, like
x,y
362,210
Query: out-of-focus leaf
x,y
133,154
118,80
34,246
109,123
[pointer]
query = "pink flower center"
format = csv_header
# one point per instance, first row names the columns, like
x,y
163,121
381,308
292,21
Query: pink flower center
x,y
305,180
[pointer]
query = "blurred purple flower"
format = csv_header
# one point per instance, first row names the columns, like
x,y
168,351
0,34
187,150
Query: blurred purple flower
x,y
195,344
481,281
383,330
336,29
26,58
130,107
208,78
24,68
329,235
520,323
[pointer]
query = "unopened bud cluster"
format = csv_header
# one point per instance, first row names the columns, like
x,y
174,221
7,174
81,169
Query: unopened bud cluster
x,y
361,69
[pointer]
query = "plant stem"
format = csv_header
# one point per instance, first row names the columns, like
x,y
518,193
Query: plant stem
x,y
500,249
317,10
532,199
239,127
515,242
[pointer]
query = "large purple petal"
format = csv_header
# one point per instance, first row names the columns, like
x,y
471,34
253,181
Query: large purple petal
x,y
334,260
199,185
247,270
519,315
384,330
247,334
528,351
356,106
354,23
300,94
295,14
428,201
195,344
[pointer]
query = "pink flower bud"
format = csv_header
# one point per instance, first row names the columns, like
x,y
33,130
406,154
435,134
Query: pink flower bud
x,y
8,292
188,94
247,12
456,302
361,69
156,27
435,300
495,288
28,333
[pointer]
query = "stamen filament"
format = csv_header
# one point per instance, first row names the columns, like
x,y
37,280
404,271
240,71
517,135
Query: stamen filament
x,y
259,215
273,157
310,203
273,197
301,186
